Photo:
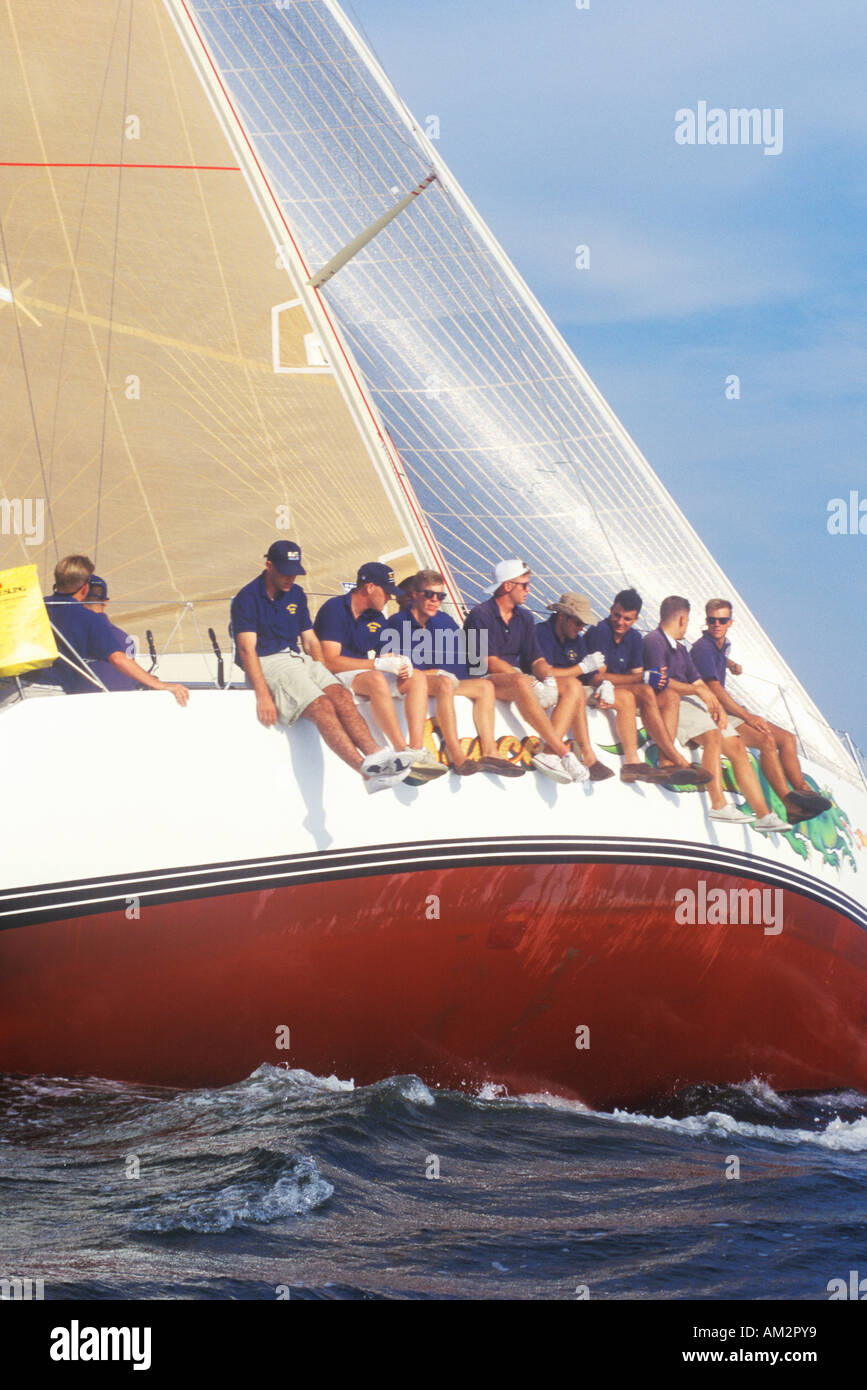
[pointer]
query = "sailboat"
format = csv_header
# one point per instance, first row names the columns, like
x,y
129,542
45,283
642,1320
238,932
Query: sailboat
x,y
243,297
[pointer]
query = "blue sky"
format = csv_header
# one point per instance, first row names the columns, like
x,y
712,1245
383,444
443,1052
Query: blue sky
x,y
705,261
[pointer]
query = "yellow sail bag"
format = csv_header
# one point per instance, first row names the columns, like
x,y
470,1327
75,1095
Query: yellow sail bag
x,y
26,640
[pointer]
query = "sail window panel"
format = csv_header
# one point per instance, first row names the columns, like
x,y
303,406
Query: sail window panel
x,y
429,299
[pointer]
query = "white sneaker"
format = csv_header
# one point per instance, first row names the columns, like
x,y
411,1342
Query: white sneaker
x,y
386,760
552,766
378,781
730,814
574,766
425,764
771,823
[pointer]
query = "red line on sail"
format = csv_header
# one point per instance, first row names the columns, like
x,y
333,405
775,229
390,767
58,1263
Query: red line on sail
x,y
388,444
89,164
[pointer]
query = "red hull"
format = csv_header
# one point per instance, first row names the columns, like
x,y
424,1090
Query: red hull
x,y
370,982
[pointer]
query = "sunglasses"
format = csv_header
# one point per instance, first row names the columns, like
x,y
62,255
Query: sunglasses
x,y
721,621
433,593
521,583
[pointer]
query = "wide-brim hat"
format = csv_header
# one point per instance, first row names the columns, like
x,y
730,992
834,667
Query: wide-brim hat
x,y
573,605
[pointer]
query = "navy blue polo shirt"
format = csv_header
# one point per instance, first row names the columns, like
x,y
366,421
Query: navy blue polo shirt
x,y
620,657
277,622
558,653
111,678
710,660
358,637
658,652
438,645
515,642
89,635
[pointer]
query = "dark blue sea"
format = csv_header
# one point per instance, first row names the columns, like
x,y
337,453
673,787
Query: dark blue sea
x,y
291,1186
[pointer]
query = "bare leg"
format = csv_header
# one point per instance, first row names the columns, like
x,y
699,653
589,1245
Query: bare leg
x,y
668,704
518,689
374,685
627,732
484,699
416,708
711,744
659,716
322,713
351,721
443,691
788,750
778,752
736,752
577,721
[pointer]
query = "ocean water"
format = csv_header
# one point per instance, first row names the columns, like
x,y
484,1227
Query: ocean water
x,y
288,1185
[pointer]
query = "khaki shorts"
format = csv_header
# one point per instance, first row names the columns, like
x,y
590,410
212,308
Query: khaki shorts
x,y
347,677
295,681
692,719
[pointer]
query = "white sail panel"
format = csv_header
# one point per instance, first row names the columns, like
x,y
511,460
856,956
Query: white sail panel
x,y
509,446
153,399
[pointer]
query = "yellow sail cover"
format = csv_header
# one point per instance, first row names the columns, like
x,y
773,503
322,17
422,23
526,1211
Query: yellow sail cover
x,y
26,640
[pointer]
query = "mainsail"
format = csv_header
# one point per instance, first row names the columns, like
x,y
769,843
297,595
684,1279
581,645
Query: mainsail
x,y
457,423
165,391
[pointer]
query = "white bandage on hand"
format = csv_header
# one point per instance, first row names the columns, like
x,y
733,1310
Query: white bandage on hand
x,y
594,662
393,665
546,692
605,691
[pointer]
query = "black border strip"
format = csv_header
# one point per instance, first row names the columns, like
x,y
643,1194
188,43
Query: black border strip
x,y
85,897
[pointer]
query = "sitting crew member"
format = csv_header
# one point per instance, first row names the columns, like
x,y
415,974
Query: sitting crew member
x,y
564,649
348,627
435,645
87,636
681,704
96,600
514,657
777,747
269,615
619,642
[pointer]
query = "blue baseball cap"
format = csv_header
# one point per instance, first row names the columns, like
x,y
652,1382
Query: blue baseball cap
x,y
375,573
285,556
97,591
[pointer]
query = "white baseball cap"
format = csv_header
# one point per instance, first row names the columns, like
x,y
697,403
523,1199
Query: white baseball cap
x,y
505,570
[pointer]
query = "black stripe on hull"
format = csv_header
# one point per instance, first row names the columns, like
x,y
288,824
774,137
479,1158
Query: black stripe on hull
x,y
85,897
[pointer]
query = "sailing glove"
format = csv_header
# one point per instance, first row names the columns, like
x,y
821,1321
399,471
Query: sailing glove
x,y
393,665
546,692
594,662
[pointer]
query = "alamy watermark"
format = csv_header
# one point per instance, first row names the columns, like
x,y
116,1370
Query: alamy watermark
x,y
847,517
21,1290
23,516
740,125
441,647
756,907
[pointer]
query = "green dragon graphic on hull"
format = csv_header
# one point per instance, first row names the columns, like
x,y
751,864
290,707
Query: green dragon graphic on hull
x,y
831,833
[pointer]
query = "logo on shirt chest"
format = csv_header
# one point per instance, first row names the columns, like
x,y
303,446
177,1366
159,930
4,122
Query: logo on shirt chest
x,y
373,627
292,608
